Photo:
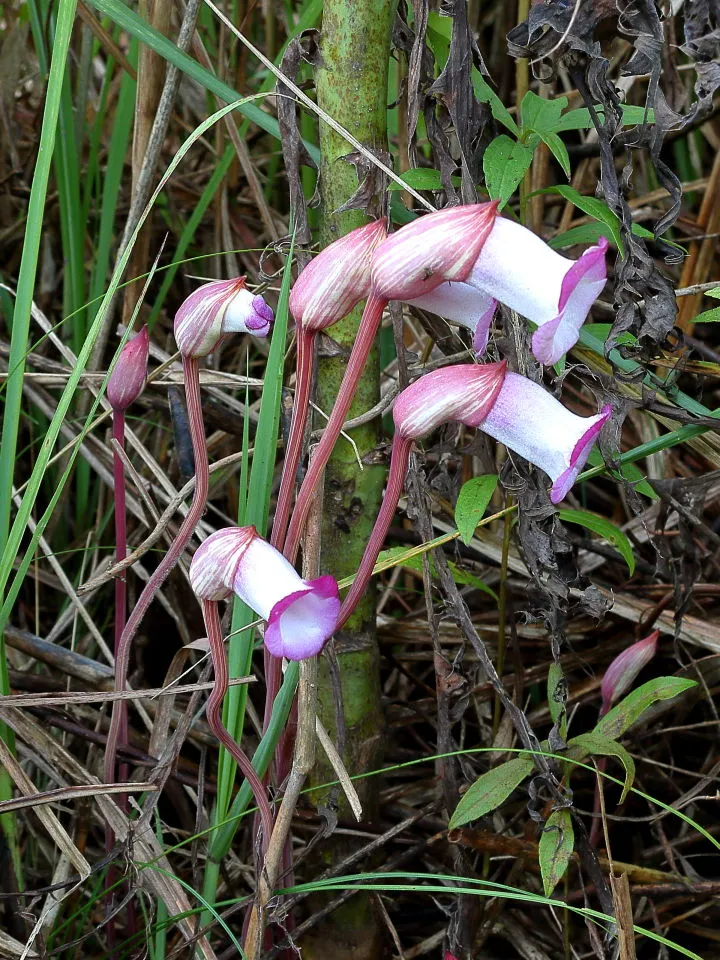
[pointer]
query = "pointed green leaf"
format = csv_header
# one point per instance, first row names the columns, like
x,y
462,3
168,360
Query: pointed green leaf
x,y
603,528
593,208
558,149
624,714
490,790
473,499
485,94
539,114
596,744
556,847
708,316
556,691
505,163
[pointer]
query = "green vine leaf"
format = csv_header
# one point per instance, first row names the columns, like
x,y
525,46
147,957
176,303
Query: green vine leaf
x,y
624,714
490,790
556,847
595,744
603,528
472,502
504,164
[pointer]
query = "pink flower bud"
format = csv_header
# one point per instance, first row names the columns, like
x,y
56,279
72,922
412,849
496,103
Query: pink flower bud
x,y
465,392
128,376
431,250
216,310
301,614
336,279
623,670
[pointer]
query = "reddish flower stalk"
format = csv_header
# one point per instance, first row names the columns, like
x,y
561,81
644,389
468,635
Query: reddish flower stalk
x,y
464,393
125,384
208,315
197,432
326,291
213,712
432,250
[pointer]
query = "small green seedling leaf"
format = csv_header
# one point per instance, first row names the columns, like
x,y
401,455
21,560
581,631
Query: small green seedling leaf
x,y
603,528
473,499
539,114
583,233
422,178
579,119
485,94
624,714
708,316
556,691
490,790
593,208
558,149
595,744
505,163
556,847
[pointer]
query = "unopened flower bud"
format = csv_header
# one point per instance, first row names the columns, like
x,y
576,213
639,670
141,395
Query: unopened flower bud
x,y
623,670
127,380
337,279
433,249
465,393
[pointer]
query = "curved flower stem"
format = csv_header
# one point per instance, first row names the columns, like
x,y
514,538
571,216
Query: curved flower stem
x,y
395,482
303,377
213,712
367,330
122,656
118,431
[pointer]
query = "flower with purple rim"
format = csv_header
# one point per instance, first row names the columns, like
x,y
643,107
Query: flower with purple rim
x,y
517,268
530,421
301,614
214,311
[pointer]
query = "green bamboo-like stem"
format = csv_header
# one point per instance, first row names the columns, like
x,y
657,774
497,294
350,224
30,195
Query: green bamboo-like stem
x,y
352,88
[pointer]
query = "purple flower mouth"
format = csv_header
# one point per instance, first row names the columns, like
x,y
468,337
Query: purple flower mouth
x,y
579,456
301,623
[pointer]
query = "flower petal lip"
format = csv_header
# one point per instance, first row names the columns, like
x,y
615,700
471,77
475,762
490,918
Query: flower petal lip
x,y
433,249
300,624
337,279
215,310
465,392
530,421
127,380
581,286
623,670
215,562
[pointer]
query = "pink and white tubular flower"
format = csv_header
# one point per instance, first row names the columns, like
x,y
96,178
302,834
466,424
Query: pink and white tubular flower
x,y
623,670
214,311
530,421
520,270
301,614
434,249
127,380
523,272
337,279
